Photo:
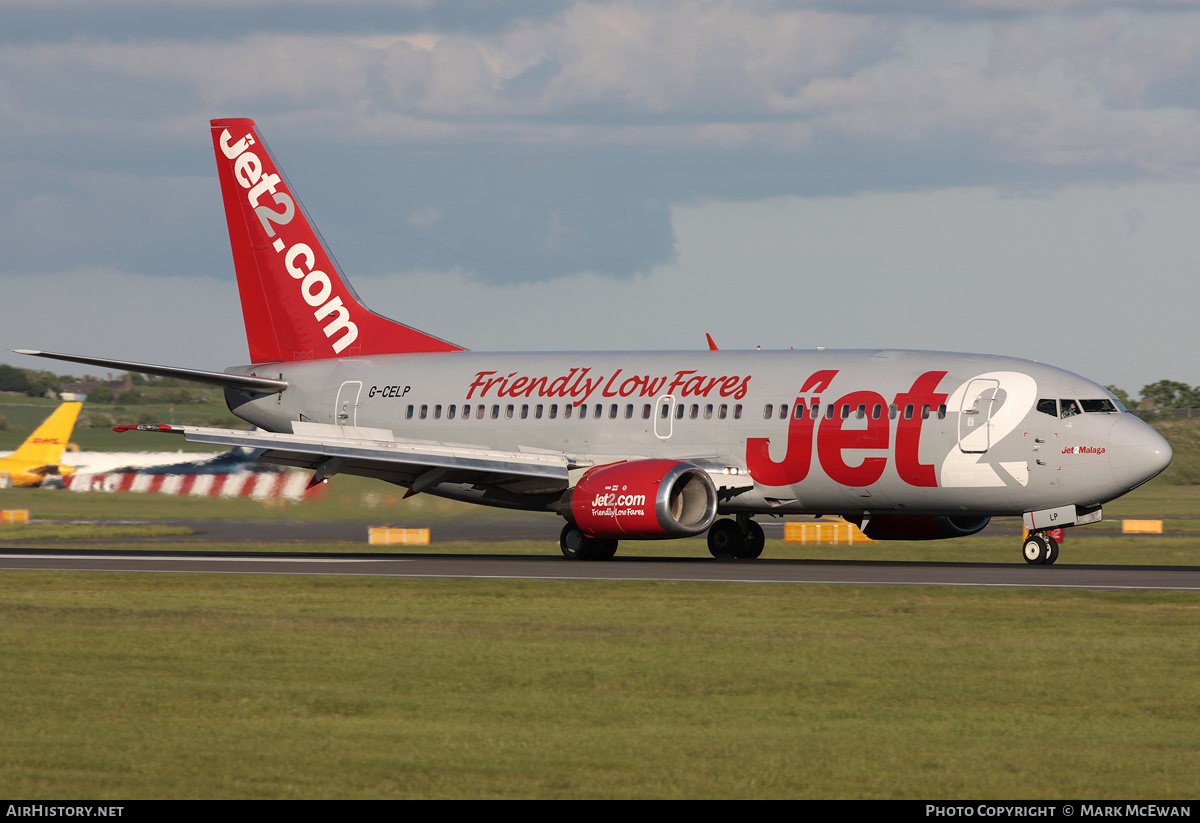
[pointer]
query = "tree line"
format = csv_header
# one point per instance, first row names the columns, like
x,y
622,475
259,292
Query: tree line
x,y
35,383
1165,394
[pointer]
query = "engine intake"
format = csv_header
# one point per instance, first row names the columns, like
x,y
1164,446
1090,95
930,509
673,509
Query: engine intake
x,y
645,499
921,527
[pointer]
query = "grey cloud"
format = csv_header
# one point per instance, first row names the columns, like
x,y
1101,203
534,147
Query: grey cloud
x,y
51,221
548,143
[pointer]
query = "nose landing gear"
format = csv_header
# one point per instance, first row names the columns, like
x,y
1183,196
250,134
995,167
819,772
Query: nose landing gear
x,y
1040,549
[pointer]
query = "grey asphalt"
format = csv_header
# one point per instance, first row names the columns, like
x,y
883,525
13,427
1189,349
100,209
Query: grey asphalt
x,y
283,543
550,567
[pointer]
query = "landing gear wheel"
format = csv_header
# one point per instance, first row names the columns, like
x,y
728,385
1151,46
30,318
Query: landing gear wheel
x,y
729,538
1053,550
725,539
755,540
576,545
606,549
1036,550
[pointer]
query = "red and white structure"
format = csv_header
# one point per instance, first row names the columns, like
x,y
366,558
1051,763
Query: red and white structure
x,y
291,485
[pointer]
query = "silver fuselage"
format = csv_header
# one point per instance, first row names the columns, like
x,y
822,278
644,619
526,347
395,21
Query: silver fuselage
x,y
902,432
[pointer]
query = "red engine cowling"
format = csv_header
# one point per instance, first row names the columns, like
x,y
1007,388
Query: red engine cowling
x,y
645,499
921,527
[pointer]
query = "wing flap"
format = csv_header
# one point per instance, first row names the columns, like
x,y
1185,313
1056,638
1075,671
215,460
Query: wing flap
x,y
380,455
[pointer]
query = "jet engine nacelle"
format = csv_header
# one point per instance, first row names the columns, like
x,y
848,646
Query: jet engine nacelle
x,y
645,499
921,527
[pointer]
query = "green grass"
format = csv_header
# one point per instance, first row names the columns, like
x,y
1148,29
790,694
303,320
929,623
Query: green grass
x,y
125,686
94,431
1184,437
121,686
12,534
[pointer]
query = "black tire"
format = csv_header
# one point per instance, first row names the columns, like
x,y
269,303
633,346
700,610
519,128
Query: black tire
x,y
755,541
1053,555
725,539
1036,550
607,549
576,545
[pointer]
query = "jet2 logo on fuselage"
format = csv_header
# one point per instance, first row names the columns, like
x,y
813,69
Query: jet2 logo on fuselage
x,y
832,438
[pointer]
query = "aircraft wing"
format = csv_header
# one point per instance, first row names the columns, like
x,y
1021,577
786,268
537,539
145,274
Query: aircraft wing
x,y
376,453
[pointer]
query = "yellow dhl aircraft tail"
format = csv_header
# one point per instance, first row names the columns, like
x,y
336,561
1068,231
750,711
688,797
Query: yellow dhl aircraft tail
x,y
39,455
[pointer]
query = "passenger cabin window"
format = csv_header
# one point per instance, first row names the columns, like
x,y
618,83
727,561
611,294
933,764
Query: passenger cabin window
x,y
768,410
450,412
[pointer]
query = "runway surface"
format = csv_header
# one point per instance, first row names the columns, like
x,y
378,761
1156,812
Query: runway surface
x,y
549,567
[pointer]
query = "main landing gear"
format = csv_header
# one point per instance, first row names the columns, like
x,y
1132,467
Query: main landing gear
x,y
741,538
1040,549
576,545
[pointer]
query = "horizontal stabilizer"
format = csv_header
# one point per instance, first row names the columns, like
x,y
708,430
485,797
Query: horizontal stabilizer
x,y
215,378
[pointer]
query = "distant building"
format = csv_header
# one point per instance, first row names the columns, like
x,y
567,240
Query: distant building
x,y
80,390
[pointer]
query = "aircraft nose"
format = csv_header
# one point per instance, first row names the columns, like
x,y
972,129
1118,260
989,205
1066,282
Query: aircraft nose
x,y
1136,452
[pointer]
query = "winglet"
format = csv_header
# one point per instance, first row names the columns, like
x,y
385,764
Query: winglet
x,y
712,344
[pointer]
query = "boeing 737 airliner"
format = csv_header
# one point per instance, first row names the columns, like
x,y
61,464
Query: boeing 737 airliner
x,y
623,445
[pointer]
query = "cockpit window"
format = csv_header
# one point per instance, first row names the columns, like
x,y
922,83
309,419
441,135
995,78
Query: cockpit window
x,y
1116,402
1048,406
1104,405
1070,408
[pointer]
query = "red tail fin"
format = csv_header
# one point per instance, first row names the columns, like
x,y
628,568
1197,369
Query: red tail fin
x,y
295,301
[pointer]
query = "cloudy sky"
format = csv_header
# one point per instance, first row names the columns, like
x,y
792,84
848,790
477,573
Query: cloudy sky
x,y
1008,176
